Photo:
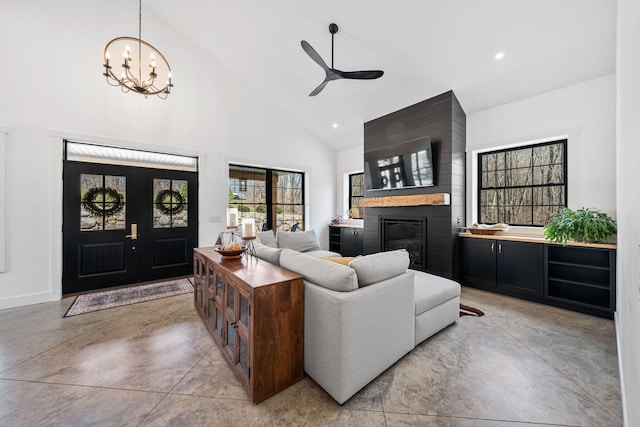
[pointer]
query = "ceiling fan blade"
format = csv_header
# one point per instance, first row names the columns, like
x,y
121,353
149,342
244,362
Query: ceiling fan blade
x,y
362,75
319,88
313,54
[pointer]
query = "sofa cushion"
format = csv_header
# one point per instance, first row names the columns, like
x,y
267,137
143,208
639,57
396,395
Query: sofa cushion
x,y
300,241
380,266
322,273
431,291
267,238
267,253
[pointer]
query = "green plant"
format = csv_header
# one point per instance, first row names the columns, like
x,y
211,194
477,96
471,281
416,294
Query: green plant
x,y
585,224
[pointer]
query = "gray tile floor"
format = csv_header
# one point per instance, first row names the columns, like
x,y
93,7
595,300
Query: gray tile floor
x,y
154,364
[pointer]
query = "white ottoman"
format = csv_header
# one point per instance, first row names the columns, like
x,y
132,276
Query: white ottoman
x,y
437,304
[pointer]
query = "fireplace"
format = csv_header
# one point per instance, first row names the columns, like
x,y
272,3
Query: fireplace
x,y
408,233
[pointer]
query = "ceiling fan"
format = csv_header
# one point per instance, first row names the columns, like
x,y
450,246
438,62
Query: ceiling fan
x,y
332,73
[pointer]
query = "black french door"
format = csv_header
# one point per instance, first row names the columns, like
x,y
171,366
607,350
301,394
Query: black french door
x,y
124,224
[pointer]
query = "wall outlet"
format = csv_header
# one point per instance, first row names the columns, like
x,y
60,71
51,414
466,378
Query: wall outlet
x,y
459,220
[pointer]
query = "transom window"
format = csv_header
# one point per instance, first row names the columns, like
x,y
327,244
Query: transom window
x,y
274,198
356,193
523,185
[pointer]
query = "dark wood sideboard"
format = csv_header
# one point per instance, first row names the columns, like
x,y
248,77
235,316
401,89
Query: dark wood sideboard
x,y
255,312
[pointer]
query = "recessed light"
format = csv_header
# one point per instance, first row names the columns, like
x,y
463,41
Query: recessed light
x,y
499,55
335,125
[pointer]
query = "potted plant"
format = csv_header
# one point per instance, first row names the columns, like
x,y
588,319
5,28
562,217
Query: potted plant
x,y
587,225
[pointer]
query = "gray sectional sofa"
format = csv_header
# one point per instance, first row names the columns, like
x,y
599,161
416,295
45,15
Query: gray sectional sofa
x,y
363,317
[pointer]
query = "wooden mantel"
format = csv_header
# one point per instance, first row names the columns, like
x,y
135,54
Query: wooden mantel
x,y
435,199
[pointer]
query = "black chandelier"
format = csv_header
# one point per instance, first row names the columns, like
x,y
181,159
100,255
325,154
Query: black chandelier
x,y
144,83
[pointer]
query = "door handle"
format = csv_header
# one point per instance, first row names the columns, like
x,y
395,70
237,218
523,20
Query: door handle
x,y
493,247
134,232
499,248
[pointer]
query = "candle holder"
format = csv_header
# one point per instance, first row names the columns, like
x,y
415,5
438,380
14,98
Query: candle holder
x,y
232,233
251,249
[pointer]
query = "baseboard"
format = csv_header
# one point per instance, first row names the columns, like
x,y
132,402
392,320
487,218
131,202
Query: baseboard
x,y
22,300
620,373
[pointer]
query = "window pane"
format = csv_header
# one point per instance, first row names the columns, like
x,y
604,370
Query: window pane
x,y
103,202
517,177
170,203
548,174
356,191
518,158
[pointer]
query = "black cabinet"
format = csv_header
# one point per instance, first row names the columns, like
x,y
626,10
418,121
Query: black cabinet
x,y
348,241
579,278
334,239
504,266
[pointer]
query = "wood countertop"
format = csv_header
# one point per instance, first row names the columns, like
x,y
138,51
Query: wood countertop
x,y
534,239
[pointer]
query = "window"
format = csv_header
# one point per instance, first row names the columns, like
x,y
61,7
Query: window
x,y
274,198
523,185
356,193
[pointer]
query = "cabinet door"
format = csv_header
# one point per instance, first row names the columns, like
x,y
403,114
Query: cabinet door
x,y
359,242
218,308
210,297
230,295
243,360
198,284
520,268
351,241
479,263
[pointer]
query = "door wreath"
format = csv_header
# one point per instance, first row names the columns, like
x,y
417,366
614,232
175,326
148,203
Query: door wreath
x,y
169,202
102,201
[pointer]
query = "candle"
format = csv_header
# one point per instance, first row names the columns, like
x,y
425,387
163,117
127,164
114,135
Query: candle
x,y
232,217
248,227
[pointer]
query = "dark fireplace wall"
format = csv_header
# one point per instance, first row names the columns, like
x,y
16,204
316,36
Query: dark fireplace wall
x,y
442,119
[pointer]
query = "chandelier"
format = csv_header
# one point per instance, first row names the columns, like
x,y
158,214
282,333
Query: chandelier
x,y
136,76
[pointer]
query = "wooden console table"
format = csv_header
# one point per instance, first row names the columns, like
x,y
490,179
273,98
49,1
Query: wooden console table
x,y
255,313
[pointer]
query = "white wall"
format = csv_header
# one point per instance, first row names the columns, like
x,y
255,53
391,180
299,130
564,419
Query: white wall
x,y
56,89
584,112
348,161
628,154
3,178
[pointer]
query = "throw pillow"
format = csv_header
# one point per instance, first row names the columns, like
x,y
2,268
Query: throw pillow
x,y
381,266
300,241
344,260
267,238
267,253
328,275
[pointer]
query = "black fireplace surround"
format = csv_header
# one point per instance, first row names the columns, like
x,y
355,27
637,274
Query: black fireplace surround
x,y
408,233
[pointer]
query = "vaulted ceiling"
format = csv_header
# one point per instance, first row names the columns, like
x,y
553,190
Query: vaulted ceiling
x,y
425,47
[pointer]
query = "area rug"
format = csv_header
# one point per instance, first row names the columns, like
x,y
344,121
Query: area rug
x,y
125,296
466,310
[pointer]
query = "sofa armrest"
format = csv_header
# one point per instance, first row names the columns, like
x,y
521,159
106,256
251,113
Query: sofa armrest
x,y
352,337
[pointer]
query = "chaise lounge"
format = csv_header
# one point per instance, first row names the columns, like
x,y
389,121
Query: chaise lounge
x,y
363,317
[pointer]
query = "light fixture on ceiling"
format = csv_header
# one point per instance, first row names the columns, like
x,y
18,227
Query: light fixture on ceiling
x,y
499,55
335,125
144,83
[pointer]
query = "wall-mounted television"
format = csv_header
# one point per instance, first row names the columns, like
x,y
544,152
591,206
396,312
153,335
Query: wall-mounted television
x,y
404,165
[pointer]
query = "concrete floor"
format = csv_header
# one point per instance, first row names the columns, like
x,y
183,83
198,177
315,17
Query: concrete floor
x,y
155,364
